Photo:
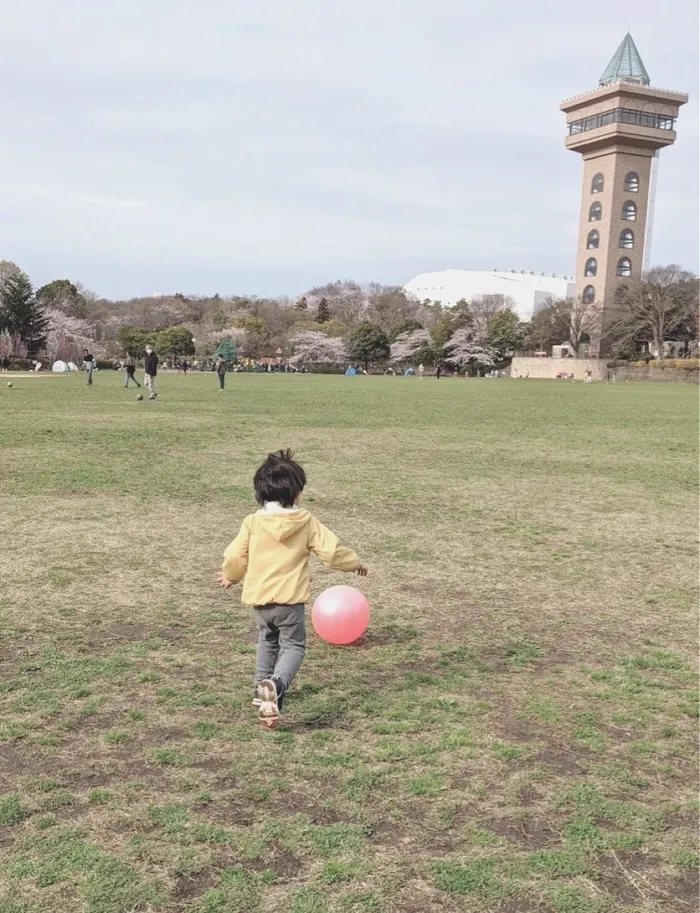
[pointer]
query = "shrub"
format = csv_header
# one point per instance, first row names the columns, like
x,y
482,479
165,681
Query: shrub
x,y
19,364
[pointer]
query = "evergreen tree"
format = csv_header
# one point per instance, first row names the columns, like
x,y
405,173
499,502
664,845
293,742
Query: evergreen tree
x,y
505,331
21,314
227,350
302,304
323,315
369,343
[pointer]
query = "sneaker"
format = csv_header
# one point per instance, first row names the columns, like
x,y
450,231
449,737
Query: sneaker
x,y
269,712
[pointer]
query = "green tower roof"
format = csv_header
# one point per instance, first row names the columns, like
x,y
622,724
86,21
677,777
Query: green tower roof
x,y
626,65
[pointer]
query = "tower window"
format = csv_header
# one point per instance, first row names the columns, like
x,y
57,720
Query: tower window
x,y
627,239
598,183
629,211
588,296
591,268
632,182
595,213
624,267
593,241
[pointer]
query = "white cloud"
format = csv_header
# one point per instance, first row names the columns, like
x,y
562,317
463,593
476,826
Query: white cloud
x,y
213,146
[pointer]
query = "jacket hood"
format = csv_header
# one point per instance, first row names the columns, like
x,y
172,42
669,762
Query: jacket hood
x,y
282,526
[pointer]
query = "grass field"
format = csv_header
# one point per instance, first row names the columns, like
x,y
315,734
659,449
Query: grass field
x,y
517,732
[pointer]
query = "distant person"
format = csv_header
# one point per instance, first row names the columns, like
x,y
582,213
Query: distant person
x,y
150,372
221,369
421,370
130,370
185,367
5,364
438,372
88,365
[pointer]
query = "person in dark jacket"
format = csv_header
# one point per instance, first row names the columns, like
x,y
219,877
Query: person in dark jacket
x,y
221,371
150,372
130,370
89,365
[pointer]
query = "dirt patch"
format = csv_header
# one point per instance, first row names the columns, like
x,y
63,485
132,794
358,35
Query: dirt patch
x,y
125,631
297,803
532,833
285,864
562,762
633,878
190,887
13,764
512,728
231,814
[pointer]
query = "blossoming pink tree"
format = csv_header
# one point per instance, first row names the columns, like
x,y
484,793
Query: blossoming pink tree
x,y
311,347
460,349
66,337
409,345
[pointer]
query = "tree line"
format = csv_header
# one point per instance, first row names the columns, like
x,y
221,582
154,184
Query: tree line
x,y
347,320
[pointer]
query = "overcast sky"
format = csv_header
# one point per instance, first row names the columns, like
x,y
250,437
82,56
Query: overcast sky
x,y
154,146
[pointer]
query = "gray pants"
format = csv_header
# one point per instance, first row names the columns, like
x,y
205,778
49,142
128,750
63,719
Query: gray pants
x,y
281,642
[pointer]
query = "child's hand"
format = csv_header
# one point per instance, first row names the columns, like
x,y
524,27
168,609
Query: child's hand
x,y
361,570
223,582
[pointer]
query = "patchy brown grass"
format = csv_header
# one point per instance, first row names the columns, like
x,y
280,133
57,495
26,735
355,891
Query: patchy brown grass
x,y
516,732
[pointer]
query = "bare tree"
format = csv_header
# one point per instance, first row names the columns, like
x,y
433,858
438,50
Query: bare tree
x,y
387,305
580,317
8,268
663,303
482,308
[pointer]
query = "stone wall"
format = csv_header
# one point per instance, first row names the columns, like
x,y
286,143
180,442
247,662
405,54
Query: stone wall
x,y
653,373
550,367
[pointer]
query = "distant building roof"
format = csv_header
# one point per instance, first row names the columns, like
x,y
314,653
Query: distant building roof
x,y
626,65
529,291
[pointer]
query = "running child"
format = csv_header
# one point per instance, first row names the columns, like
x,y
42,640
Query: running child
x,y
271,555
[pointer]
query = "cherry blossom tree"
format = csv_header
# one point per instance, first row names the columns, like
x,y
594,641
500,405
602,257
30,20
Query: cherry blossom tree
x,y
460,349
66,337
12,345
311,347
408,345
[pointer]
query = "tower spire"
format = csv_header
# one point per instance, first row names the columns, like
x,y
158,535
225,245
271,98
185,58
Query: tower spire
x,y
626,65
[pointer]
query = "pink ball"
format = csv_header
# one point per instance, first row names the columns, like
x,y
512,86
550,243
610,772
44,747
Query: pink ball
x,y
340,615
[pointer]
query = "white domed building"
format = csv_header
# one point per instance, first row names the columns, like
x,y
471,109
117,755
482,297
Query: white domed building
x,y
530,291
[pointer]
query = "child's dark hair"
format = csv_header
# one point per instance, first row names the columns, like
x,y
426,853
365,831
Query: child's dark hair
x,y
279,479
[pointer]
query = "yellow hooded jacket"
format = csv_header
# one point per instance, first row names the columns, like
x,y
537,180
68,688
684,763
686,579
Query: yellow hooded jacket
x,y
271,551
